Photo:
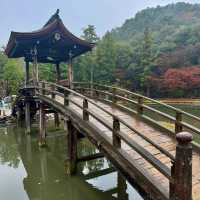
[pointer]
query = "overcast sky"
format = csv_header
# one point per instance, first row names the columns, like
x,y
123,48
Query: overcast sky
x,y
28,15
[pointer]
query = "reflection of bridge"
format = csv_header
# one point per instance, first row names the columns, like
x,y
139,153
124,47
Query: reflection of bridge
x,y
46,180
119,123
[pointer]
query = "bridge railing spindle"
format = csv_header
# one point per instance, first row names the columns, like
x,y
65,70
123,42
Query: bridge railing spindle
x,y
116,129
66,96
139,105
85,112
52,93
178,126
114,91
43,88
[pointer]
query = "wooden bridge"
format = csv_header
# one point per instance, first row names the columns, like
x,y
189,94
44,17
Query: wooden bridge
x,y
119,123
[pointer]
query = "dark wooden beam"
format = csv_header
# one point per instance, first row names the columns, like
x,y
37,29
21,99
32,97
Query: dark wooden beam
x,y
90,157
99,173
27,76
58,72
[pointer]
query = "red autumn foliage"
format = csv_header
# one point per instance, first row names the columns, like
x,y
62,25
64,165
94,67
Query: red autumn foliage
x,y
183,78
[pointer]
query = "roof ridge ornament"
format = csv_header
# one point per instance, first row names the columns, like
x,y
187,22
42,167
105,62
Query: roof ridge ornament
x,y
57,11
53,17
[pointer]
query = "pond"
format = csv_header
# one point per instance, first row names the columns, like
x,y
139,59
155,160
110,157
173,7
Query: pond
x,y
30,173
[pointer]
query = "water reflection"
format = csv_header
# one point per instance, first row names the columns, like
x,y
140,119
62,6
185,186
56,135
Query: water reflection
x,y
42,171
8,149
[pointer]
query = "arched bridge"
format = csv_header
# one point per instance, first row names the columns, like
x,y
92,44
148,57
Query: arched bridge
x,y
149,142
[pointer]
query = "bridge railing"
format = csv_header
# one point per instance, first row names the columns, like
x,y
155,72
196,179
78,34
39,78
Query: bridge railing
x,y
175,175
51,91
149,109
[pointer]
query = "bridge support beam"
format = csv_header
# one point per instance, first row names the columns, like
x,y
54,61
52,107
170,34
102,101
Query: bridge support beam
x,y
71,162
70,72
27,75
58,72
183,168
121,187
27,116
42,126
56,120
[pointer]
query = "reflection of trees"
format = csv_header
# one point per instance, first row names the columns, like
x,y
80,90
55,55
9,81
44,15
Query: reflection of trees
x,y
8,149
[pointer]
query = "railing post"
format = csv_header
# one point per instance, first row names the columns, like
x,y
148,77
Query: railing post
x,y
66,96
178,126
139,105
171,184
114,99
52,93
116,129
91,90
43,87
85,107
183,167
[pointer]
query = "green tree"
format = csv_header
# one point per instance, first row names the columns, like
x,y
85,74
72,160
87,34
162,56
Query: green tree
x,y
105,59
13,75
47,72
146,60
85,64
89,34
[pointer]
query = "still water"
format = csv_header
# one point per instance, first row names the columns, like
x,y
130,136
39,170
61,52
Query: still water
x,y
28,172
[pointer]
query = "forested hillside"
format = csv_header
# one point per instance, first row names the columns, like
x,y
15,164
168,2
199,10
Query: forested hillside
x,y
171,26
156,53
151,53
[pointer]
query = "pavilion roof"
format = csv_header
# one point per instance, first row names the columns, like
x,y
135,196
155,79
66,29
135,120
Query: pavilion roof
x,y
54,43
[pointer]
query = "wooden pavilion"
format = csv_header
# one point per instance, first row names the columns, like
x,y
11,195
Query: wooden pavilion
x,y
53,43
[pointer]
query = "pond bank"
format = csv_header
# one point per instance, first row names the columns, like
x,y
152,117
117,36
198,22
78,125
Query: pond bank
x,y
180,101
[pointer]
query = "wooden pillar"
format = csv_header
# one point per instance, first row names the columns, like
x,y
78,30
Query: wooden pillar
x,y
42,126
27,75
56,119
27,116
85,113
121,187
178,126
56,115
116,129
114,99
70,72
58,72
139,105
183,167
65,123
71,148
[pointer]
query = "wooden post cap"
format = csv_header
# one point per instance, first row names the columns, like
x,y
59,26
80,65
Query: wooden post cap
x,y
184,137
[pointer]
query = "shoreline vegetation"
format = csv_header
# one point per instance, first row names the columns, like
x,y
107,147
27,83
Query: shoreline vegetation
x,y
195,101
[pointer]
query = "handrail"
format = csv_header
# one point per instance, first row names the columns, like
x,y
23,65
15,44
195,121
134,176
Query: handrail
x,y
146,98
177,119
141,150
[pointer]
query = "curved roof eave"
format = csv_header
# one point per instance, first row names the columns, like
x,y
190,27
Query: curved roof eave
x,y
57,23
